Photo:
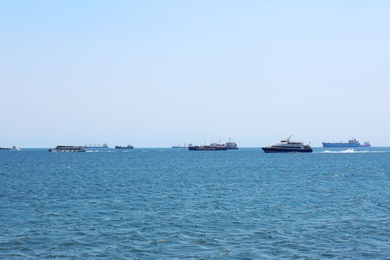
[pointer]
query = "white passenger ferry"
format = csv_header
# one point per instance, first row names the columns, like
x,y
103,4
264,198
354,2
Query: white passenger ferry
x,y
287,146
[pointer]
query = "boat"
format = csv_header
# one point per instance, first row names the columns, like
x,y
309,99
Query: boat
x,y
287,146
366,144
210,147
95,146
4,149
124,147
67,149
231,145
14,148
351,143
214,147
179,146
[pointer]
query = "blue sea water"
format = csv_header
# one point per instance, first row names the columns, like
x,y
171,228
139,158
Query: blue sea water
x,y
174,204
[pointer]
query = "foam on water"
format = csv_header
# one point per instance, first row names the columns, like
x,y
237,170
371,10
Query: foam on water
x,y
351,150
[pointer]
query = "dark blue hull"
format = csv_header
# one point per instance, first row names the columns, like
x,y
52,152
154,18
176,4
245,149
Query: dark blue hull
x,y
207,148
286,150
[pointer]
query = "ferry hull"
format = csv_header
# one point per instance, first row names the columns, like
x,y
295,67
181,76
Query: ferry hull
x,y
286,150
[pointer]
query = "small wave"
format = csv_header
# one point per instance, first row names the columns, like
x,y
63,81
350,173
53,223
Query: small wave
x,y
342,151
99,151
351,150
348,151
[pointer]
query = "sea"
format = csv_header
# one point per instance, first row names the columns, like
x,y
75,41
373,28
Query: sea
x,y
165,203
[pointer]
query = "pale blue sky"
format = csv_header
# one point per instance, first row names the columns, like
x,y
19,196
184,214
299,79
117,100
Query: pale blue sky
x,y
159,73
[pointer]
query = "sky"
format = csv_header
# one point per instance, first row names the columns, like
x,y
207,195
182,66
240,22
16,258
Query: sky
x,y
160,73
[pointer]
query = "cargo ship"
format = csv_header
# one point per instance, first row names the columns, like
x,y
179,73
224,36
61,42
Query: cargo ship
x,y
94,146
352,143
231,145
211,147
215,146
366,144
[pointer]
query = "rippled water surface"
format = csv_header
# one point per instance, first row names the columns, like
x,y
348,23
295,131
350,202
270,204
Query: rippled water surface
x,y
173,203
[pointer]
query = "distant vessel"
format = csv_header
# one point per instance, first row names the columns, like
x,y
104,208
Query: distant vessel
x,y
287,146
366,144
214,147
94,146
68,149
211,147
350,144
124,147
14,148
179,146
231,145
